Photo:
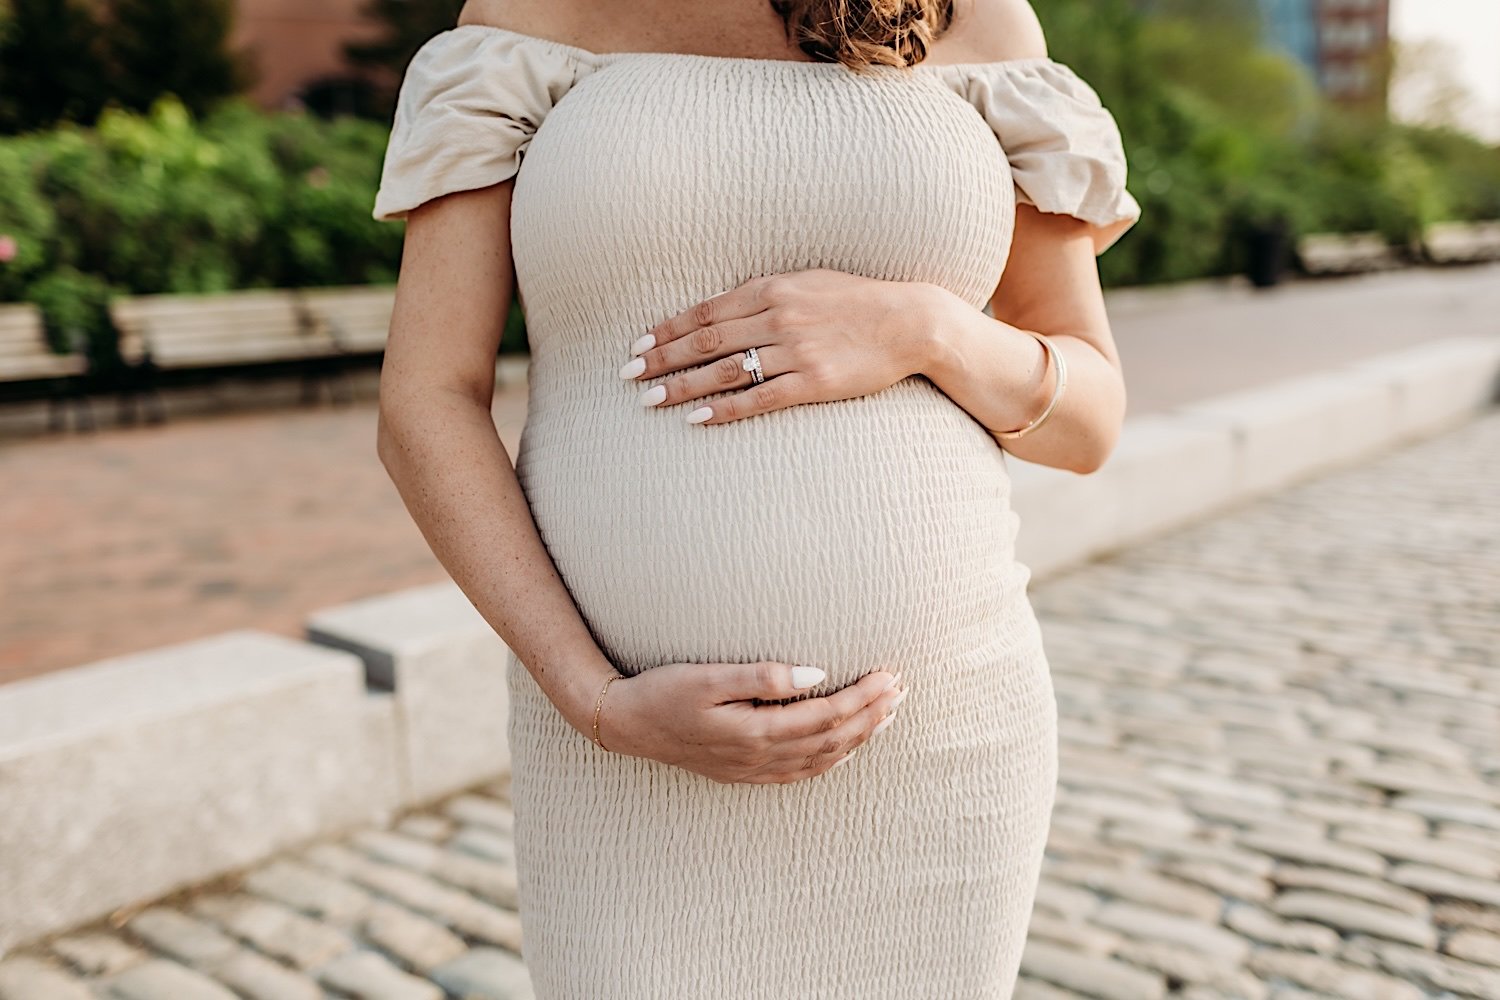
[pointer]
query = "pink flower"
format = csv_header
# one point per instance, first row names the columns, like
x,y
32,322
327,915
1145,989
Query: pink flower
x,y
8,249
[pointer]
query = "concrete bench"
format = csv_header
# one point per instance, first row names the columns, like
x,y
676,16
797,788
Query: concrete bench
x,y
1346,253
131,777
1462,242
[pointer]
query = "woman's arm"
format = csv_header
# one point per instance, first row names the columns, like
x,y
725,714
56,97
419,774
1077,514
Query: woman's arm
x,y
437,440
1001,374
991,367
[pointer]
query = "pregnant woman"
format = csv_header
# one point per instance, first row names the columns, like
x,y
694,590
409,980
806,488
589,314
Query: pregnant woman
x,y
764,469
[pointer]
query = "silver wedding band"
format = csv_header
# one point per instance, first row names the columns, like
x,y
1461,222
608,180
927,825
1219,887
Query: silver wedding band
x,y
751,364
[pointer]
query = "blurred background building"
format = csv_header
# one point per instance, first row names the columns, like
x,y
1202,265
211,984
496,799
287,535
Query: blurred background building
x,y
297,44
1344,43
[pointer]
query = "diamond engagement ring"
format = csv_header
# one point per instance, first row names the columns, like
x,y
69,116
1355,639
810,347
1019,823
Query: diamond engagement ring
x,y
751,364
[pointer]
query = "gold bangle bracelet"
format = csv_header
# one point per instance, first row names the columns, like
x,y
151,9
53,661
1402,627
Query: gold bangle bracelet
x,y
1061,368
598,707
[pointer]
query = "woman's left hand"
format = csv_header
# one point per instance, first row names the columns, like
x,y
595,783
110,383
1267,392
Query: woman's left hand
x,y
821,335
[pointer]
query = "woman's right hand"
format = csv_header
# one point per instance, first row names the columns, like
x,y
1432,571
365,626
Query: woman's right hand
x,y
699,716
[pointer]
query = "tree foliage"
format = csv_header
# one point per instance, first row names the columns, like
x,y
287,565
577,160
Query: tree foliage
x,y
67,60
51,64
402,26
178,47
1224,136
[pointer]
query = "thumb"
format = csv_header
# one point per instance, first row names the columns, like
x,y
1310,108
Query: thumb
x,y
765,679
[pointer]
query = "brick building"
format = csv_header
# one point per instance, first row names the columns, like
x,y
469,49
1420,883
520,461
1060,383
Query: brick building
x,y
1345,43
296,43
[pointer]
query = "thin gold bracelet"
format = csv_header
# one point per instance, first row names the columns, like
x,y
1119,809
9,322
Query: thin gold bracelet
x,y
1061,367
598,707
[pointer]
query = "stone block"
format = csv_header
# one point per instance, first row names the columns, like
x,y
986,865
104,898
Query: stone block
x,y
23,978
486,974
1169,472
1290,430
1437,385
1091,975
446,668
369,975
1065,519
129,778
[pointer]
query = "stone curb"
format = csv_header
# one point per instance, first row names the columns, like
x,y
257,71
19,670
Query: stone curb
x,y
137,775
130,778
1173,468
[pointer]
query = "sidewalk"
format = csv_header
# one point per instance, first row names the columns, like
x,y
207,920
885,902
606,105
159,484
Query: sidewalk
x,y
1184,343
256,519
1279,779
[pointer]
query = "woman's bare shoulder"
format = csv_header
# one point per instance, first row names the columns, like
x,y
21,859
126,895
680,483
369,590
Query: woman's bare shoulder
x,y
992,31
546,18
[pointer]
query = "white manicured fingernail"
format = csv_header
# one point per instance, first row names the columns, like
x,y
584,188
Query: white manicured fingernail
x,y
899,698
881,728
806,677
653,395
631,369
643,344
842,760
699,415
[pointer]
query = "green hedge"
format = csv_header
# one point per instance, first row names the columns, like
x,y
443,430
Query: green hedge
x,y
165,203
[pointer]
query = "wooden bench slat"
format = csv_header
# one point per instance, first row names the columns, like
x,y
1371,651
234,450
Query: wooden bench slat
x,y
361,315
42,366
24,351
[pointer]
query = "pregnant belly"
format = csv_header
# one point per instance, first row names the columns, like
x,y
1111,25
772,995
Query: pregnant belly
x,y
848,535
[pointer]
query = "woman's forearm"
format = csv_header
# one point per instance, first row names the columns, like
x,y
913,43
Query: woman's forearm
x,y
446,460
1002,376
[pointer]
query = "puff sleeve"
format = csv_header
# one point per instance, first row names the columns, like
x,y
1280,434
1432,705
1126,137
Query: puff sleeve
x,y
1064,147
470,101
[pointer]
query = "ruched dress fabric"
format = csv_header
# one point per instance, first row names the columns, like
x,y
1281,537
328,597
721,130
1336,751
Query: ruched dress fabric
x,y
851,535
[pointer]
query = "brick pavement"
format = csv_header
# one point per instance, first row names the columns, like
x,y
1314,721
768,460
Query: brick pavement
x,y
130,539
136,538
1280,780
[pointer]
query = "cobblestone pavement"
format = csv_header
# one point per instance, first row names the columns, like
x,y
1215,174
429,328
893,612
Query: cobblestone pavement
x,y
135,538
1280,781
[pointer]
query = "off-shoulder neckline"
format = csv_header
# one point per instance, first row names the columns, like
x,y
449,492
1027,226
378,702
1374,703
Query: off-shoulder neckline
x,y
588,55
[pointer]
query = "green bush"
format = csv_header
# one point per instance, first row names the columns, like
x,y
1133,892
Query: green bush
x,y
162,202
27,222
75,314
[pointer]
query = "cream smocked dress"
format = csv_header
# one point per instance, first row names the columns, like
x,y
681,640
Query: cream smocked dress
x,y
849,535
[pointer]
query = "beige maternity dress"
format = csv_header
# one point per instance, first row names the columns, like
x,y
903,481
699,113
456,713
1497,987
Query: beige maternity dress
x,y
853,534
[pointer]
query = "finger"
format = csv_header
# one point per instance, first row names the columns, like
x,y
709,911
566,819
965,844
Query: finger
x,y
811,716
764,679
773,394
705,344
745,299
826,748
725,374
